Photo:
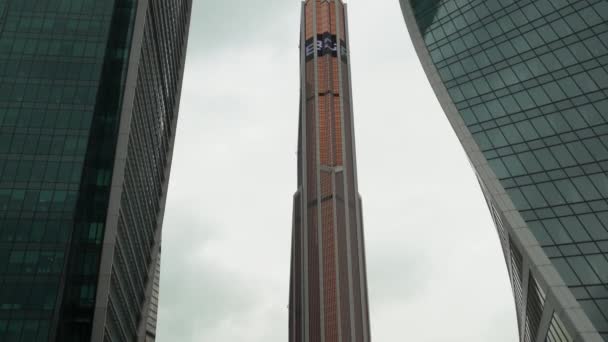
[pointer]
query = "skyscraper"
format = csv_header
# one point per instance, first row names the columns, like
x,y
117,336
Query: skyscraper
x,y
89,97
328,287
525,86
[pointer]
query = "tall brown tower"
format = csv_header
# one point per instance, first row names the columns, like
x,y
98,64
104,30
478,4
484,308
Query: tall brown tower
x,y
328,290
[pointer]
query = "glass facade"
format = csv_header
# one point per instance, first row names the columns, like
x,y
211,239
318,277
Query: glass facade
x,y
529,78
146,170
52,54
63,73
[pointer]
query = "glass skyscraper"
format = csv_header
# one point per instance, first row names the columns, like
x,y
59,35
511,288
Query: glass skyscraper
x,y
328,292
525,86
89,97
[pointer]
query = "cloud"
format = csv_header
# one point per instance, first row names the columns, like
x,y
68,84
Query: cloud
x,y
226,236
216,25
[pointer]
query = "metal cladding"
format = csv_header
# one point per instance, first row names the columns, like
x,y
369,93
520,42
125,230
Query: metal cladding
x,y
525,86
328,286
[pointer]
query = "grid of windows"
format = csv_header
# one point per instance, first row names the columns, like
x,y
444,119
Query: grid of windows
x,y
146,171
516,272
153,309
557,332
62,73
77,311
530,81
51,56
534,309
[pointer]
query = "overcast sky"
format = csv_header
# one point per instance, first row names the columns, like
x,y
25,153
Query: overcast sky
x,y
435,268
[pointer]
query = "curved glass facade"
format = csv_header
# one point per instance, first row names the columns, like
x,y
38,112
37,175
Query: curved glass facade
x,y
529,81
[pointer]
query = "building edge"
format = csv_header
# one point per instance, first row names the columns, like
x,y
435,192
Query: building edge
x,y
118,173
559,299
304,194
118,177
156,250
367,335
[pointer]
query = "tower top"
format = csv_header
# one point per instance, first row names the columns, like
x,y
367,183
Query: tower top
x,y
325,1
